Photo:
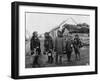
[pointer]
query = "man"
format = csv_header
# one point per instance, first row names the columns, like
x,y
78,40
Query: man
x,y
77,45
69,45
35,47
59,47
48,47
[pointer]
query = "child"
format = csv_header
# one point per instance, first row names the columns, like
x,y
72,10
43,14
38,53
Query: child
x,y
48,47
35,47
59,46
69,48
77,45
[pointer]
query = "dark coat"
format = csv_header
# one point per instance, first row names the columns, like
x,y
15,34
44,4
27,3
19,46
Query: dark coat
x,y
77,44
48,43
69,44
35,44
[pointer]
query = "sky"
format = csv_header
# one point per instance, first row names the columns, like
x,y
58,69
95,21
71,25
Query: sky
x,y
43,22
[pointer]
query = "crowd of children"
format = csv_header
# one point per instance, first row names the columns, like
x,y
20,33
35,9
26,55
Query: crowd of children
x,y
57,46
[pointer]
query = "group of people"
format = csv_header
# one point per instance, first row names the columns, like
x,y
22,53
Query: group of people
x,y
56,46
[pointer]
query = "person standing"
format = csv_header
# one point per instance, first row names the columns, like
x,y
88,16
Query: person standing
x,y
59,47
69,46
35,48
77,44
48,47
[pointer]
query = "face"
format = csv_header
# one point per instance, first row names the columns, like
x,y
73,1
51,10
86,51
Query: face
x,y
59,33
46,35
70,37
35,34
76,36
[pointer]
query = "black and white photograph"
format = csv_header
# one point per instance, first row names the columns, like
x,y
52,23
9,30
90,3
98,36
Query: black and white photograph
x,y
51,40
54,40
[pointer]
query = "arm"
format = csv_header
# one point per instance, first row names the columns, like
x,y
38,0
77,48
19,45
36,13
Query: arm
x,y
44,44
80,44
55,45
63,44
31,44
39,43
51,43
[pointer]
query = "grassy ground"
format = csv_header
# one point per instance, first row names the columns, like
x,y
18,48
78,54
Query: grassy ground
x,y
43,60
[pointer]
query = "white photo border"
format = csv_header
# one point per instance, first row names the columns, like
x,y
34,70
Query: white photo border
x,y
54,70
